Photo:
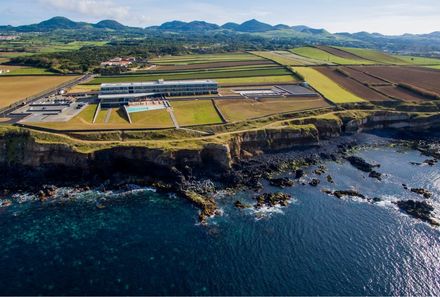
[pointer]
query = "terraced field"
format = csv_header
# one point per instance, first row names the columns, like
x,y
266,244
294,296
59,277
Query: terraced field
x,y
327,87
195,112
325,57
376,56
245,109
16,88
214,65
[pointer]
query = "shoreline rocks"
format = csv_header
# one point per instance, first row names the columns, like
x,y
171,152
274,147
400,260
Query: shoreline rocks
x,y
419,210
272,199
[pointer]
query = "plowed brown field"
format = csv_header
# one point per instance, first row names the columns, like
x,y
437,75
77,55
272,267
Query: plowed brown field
x,y
424,78
351,85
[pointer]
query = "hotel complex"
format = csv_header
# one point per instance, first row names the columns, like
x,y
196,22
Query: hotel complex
x,y
122,93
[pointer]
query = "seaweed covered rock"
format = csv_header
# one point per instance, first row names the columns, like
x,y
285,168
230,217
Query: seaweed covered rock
x,y
419,210
240,205
283,182
207,205
423,192
272,199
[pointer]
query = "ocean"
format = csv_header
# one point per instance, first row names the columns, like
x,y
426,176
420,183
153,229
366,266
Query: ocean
x,y
146,243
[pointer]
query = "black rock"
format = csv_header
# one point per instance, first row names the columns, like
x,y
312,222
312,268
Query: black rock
x,y
330,179
361,164
425,193
351,193
281,182
314,182
419,210
299,173
376,175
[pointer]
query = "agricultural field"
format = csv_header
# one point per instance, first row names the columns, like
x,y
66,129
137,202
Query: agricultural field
x,y
287,58
213,65
420,77
326,57
84,88
356,74
17,88
376,56
419,60
209,74
195,112
351,85
342,54
207,58
245,109
20,70
327,87
401,94
258,80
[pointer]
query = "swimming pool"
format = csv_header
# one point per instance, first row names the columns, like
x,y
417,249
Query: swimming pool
x,y
133,109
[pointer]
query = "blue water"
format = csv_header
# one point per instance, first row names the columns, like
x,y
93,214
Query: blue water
x,y
133,109
147,243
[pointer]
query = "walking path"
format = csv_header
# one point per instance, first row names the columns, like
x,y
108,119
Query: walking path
x,y
107,116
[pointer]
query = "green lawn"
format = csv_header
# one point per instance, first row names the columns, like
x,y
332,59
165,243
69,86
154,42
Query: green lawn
x,y
195,112
327,87
151,119
190,75
373,55
325,57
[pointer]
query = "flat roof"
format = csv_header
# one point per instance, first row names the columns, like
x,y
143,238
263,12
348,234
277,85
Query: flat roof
x,y
154,83
116,96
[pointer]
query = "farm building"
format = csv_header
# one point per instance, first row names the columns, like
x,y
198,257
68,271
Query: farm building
x,y
122,93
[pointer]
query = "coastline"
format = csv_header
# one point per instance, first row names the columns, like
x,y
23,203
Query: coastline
x,y
195,174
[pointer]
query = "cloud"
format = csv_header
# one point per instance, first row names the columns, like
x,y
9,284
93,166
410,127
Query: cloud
x,y
91,8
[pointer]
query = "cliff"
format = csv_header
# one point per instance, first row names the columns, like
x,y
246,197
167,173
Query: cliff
x,y
23,156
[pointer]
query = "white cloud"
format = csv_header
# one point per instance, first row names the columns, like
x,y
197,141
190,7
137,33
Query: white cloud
x,y
91,8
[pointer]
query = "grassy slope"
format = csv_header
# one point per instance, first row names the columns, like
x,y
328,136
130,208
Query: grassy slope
x,y
198,112
327,87
317,54
373,55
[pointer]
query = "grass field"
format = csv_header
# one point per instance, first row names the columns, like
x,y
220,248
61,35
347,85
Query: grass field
x,y
327,87
435,67
195,112
197,59
191,75
419,60
16,88
373,55
20,70
286,58
256,80
317,54
245,109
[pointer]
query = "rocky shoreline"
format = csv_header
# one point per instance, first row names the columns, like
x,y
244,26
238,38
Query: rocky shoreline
x,y
250,158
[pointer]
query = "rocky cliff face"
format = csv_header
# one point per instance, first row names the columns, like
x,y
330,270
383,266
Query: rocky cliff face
x,y
21,155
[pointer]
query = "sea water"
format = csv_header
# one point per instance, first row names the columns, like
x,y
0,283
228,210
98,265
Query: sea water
x,y
145,243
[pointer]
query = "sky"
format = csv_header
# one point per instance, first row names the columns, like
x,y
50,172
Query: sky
x,y
391,17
